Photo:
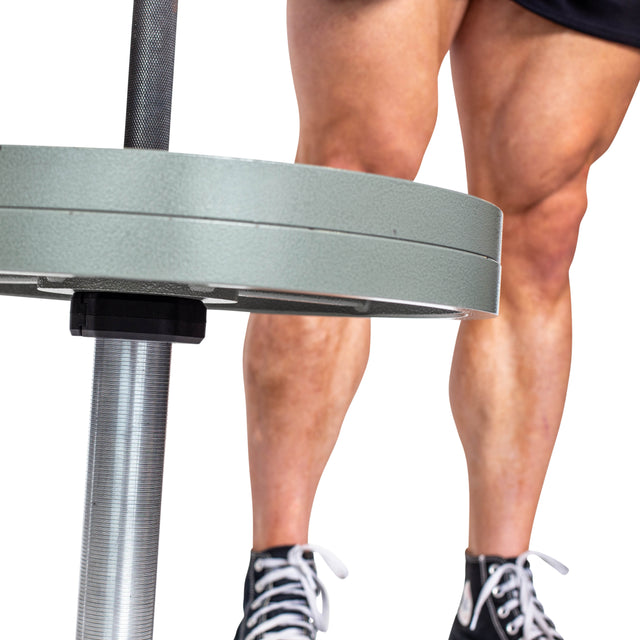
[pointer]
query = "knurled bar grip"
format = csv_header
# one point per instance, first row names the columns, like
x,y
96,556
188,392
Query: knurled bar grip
x,y
130,396
153,45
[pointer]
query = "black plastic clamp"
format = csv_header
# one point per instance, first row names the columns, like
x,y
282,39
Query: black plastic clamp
x,y
138,317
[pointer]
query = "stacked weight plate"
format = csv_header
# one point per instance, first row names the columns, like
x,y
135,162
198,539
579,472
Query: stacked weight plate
x,y
242,234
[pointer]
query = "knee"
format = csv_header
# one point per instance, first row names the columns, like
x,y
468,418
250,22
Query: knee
x,y
544,200
539,244
383,147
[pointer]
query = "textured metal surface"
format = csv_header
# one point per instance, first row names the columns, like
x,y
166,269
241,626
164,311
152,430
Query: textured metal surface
x,y
150,88
252,233
130,394
124,486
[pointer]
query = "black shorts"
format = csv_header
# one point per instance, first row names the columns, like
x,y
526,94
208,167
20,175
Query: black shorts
x,y
616,20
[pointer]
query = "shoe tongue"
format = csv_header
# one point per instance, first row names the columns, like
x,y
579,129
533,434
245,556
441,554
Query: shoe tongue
x,y
500,560
276,552
497,560
282,552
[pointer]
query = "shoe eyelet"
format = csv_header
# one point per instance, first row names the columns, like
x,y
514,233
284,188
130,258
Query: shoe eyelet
x,y
492,569
511,630
502,613
258,565
259,588
496,592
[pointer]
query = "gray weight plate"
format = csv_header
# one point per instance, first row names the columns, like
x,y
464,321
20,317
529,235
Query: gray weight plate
x,y
242,234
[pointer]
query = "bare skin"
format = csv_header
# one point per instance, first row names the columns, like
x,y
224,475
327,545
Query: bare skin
x,y
538,104
530,137
300,376
291,428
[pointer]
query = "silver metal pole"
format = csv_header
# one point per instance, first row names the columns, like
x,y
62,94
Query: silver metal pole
x,y
124,488
130,394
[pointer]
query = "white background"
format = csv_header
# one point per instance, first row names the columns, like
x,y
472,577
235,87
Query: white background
x,y
393,501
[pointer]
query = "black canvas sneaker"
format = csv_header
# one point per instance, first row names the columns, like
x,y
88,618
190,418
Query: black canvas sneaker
x,y
281,594
500,603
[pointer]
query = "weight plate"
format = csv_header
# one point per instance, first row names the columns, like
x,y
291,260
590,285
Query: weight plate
x,y
242,234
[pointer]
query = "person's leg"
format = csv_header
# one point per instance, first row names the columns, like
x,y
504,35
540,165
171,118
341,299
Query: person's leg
x,y
300,376
365,74
538,105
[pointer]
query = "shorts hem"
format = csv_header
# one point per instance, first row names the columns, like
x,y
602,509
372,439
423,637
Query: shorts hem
x,y
597,30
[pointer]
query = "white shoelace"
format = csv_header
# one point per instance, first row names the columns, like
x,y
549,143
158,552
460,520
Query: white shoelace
x,y
302,587
514,576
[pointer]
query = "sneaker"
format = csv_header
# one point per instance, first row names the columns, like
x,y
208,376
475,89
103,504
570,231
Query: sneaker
x,y
500,603
281,594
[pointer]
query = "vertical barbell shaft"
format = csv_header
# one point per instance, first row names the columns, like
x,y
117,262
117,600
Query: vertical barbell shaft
x,y
130,393
124,490
150,88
